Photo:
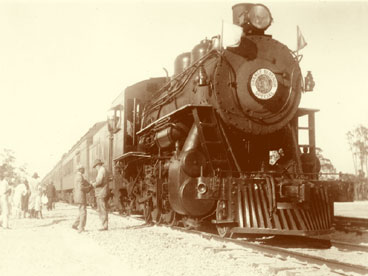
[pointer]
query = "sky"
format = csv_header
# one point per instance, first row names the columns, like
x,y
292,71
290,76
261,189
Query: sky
x,y
62,63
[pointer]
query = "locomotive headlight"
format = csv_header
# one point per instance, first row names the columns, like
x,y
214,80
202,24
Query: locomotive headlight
x,y
260,17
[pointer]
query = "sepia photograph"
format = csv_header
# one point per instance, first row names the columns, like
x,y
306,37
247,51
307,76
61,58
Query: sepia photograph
x,y
156,137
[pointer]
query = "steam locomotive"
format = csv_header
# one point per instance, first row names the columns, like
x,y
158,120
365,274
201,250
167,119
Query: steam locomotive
x,y
218,141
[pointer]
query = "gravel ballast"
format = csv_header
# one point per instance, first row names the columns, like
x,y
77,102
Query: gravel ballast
x,y
50,246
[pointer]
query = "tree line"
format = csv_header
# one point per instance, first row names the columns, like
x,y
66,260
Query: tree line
x,y
9,168
358,145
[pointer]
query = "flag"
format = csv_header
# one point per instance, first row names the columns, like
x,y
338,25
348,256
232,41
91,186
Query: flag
x,y
300,40
231,35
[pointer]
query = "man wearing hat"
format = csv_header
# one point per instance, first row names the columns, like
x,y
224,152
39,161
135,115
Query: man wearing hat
x,y
81,187
101,186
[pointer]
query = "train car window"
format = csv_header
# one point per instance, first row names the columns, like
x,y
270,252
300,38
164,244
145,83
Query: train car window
x,y
138,112
93,154
129,110
133,120
99,150
114,119
105,151
129,122
118,119
68,168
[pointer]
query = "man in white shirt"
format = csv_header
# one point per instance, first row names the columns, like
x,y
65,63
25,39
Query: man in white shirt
x,y
19,191
33,187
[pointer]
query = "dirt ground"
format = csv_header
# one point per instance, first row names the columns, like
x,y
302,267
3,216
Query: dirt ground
x,y
50,246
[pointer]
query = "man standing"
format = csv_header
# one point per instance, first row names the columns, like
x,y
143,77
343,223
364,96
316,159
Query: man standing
x,y
33,186
19,192
310,162
101,186
25,199
4,194
81,187
51,195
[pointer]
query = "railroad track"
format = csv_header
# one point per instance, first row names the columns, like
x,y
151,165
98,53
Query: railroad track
x,y
340,221
349,246
336,266
351,224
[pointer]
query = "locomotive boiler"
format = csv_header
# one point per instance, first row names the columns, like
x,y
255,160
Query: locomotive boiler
x,y
219,140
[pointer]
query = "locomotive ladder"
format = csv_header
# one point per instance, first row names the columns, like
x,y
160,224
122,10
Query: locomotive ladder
x,y
213,145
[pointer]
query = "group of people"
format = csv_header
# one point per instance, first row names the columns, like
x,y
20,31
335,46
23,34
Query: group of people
x,y
24,198
27,197
82,187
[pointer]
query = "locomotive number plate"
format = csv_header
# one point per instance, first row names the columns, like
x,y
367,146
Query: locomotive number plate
x,y
263,84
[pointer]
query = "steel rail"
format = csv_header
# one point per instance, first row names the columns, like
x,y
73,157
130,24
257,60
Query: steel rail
x,y
350,221
335,265
349,246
